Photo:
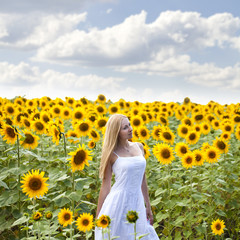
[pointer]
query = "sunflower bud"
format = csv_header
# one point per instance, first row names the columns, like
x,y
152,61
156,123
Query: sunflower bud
x,y
132,216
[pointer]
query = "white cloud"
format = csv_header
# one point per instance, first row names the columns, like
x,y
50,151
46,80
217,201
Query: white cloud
x,y
109,11
36,29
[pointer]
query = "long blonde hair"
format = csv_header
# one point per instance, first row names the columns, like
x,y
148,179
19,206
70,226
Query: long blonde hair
x,y
110,140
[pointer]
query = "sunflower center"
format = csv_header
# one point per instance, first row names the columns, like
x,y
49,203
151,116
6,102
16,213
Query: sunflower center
x,y
11,132
78,115
85,222
228,128
167,135
46,118
136,122
27,123
218,226
198,158
188,122
144,133
101,97
102,123
67,216
199,117
8,121
66,113
189,160
104,222
79,157
100,109
73,134
84,127
70,101
237,119
35,184
39,126
183,150
192,136
29,138
184,130
57,110
10,110
212,154
216,124
221,145
163,120
114,109
205,127
93,134
165,153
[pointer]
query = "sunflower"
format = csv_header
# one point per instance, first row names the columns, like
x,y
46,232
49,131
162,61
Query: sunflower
x,y
182,130
188,160
192,137
94,135
205,146
199,157
83,128
236,118
37,216
30,141
45,116
10,109
84,101
17,118
181,149
56,111
227,127
103,221
212,154
85,222
215,124
135,111
143,133
226,136
34,184
197,127
70,101
187,121
66,113
167,136
101,98
221,145
146,151
205,128
198,117
100,122
156,132
78,114
38,126
91,144
101,109
132,216
162,119
163,152
65,217
48,215
55,133
72,134
113,108
217,227
9,133
237,134
136,121
80,158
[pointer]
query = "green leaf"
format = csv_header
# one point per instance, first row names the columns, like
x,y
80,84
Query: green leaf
x,y
160,216
20,221
3,184
76,196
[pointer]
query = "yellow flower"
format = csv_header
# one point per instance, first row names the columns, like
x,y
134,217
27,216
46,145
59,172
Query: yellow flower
x,y
9,133
83,128
80,158
103,221
221,145
113,108
143,133
65,217
55,133
37,216
192,137
73,134
91,144
188,160
136,121
199,157
183,130
205,128
167,136
66,113
181,149
85,222
211,154
38,126
156,132
94,135
78,114
101,109
163,153
132,216
26,123
100,122
217,227
146,151
30,141
34,184
101,98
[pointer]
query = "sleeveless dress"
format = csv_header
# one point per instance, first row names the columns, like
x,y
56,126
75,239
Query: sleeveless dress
x,y
125,195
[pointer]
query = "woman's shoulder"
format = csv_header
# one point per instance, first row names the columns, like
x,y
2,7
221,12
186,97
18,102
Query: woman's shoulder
x,y
112,158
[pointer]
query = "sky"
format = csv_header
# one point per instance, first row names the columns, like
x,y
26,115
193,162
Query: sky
x,y
153,50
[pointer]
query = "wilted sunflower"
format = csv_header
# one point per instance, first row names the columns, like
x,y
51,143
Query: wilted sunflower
x,y
217,227
212,154
80,158
9,133
103,221
38,126
183,130
167,136
199,157
143,133
188,160
85,222
30,141
83,128
91,144
136,121
192,137
163,152
34,184
221,145
65,217
37,216
156,132
132,216
181,149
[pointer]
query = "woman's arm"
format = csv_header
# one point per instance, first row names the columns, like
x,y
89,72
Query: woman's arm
x,y
105,188
146,194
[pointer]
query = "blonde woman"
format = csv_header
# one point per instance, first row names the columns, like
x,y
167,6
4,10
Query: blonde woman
x,y
126,161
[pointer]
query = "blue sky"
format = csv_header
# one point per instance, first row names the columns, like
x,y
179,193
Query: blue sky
x,y
148,51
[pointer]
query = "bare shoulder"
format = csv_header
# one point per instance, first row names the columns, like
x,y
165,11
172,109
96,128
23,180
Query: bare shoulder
x,y
112,158
141,146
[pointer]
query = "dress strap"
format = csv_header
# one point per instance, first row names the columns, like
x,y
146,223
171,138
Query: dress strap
x,y
139,147
115,154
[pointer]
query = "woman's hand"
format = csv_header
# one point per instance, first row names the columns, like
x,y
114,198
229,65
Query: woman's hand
x,y
149,215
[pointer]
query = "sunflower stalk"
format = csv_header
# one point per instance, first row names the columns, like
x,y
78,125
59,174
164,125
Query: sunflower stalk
x,y
19,177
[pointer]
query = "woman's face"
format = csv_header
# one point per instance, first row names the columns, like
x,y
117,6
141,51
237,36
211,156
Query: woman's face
x,y
125,130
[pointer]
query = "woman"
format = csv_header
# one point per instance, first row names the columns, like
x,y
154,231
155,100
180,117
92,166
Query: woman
x,y
126,160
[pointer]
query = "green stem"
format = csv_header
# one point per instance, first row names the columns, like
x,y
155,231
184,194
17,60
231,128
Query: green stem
x,y
135,231
71,232
19,177
169,196
109,237
65,147
102,234
39,234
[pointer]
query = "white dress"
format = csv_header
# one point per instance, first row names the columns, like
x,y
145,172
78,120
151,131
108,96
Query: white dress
x,y
125,195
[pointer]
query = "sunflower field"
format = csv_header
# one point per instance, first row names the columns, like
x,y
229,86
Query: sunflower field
x,y
50,154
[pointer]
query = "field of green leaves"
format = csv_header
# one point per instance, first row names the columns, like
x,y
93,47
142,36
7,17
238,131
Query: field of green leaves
x,y
50,152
